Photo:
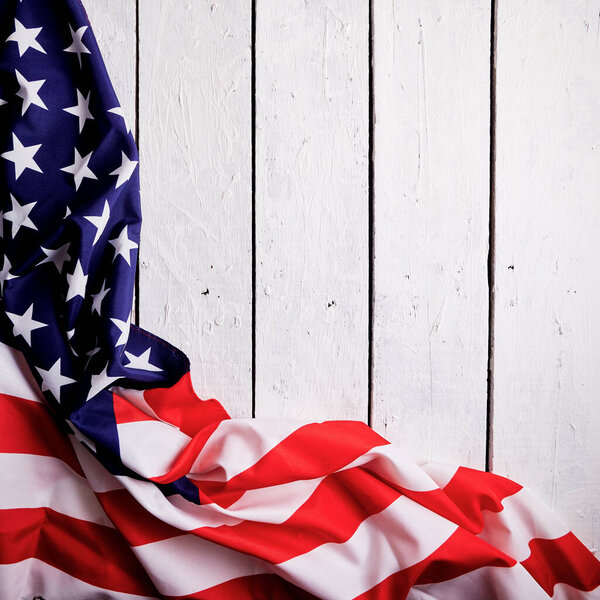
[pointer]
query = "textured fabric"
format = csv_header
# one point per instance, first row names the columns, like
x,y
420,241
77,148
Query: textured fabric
x,y
118,481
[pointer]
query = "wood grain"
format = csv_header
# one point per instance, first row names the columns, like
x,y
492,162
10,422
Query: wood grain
x,y
195,159
430,229
114,25
312,204
547,381
431,188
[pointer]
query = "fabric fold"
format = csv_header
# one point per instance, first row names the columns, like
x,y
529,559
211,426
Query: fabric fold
x,y
119,481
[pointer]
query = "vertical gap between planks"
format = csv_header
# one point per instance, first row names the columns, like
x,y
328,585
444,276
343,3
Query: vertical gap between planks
x,y
253,192
371,223
491,261
136,288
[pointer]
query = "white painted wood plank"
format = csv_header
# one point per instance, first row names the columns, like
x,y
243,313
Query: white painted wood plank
x,y
195,160
431,172
113,23
312,208
547,378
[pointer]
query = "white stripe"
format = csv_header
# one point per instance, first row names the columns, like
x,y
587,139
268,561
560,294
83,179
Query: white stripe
x,y
562,591
31,481
98,477
441,473
187,564
275,504
396,538
150,447
237,444
15,376
487,583
523,518
135,397
391,463
32,577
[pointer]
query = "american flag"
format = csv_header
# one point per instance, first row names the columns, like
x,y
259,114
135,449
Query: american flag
x,y
117,481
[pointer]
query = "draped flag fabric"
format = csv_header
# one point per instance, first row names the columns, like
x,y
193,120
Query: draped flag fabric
x,y
117,481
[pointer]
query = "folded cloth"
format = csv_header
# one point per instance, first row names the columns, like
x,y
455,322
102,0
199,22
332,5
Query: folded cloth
x,y
118,481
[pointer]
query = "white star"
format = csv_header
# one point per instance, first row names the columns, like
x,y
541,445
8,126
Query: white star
x,y
58,256
5,273
53,380
3,102
81,109
123,245
79,169
67,212
117,110
140,362
125,171
22,156
77,282
97,298
78,46
100,221
29,92
124,329
24,324
25,38
100,381
19,216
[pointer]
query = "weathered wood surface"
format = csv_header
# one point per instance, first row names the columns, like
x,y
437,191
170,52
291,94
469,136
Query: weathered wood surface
x,y
312,206
431,68
546,425
114,24
431,189
195,169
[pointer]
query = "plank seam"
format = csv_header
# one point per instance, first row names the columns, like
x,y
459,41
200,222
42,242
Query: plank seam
x,y
371,179
136,285
491,260
253,192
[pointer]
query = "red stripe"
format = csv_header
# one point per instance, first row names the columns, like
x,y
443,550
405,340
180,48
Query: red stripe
x,y
474,491
438,502
333,512
136,524
29,428
180,406
87,551
252,587
562,560
126,412
461,553
184,461
312,451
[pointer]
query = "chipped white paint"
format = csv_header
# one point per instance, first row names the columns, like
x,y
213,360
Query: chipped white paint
x,y
431,152
312,208
431,191
547,357
195,158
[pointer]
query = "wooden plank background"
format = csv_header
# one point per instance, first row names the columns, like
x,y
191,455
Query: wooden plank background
x,y
383,210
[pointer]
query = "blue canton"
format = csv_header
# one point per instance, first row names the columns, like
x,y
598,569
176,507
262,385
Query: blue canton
x,y
70,222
